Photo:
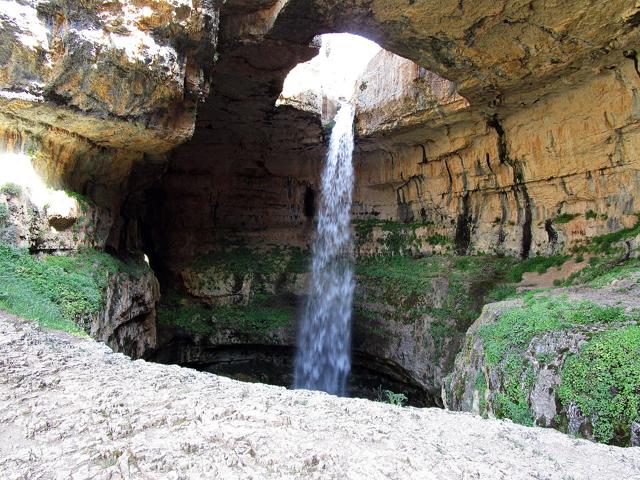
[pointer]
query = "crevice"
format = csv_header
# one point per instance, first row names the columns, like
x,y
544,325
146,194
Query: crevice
x,y
552,235
494,122
463,227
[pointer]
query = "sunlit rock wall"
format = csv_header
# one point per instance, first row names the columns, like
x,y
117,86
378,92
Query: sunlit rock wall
x,y
535,181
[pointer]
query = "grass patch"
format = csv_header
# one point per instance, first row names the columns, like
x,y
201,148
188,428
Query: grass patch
x,y
603,379
60,292
535,264
602,271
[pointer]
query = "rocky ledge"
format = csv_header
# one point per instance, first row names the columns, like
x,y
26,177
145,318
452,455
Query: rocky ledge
x,y
71,408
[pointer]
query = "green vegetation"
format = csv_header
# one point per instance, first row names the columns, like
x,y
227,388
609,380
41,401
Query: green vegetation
x,y
439,240
60,292
512,401
195,317
266,310
565,218
535,264
11,189
602,271
397,399
604,244
406,284
398,239
506,340
516,327
84,201
590,215
603,379
240,259
481,386
500,292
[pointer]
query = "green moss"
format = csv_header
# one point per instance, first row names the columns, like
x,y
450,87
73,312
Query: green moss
x,y
515,328
565,218
11,189
603,379
61,292
254,319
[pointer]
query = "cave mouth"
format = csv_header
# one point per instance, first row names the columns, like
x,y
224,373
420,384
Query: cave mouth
x,y
370,378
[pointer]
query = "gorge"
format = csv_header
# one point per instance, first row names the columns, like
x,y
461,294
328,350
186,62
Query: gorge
x,y
162,191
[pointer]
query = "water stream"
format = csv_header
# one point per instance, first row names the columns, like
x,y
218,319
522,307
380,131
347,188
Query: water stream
x,y
323,359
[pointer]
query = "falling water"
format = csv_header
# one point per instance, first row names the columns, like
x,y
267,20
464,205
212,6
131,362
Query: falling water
x,y
323,361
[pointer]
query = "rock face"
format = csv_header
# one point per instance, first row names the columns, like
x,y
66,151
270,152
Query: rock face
x,y
62,63
70,223
127,323
394,92
61,394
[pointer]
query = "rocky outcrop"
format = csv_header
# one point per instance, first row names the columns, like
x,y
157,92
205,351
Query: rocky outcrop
x,y
122,74
127,323
65,224
554,361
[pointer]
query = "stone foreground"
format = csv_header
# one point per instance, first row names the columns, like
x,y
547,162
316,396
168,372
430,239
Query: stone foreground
x,y
70,408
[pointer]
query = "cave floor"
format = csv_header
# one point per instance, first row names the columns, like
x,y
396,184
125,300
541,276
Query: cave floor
x,y
72,409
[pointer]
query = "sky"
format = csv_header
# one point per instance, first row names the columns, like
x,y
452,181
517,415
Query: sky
x,y
342,58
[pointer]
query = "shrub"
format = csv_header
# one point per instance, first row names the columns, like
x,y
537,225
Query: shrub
x,y
603,379
395,398
591,215
565,218
11,189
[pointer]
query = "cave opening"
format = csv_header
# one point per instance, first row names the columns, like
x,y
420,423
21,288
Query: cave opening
x,y
370,378
309,203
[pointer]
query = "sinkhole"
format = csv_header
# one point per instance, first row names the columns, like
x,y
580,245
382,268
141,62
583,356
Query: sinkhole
x,y
349,74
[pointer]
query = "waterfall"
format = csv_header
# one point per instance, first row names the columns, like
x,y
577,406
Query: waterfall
x,y
323,359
